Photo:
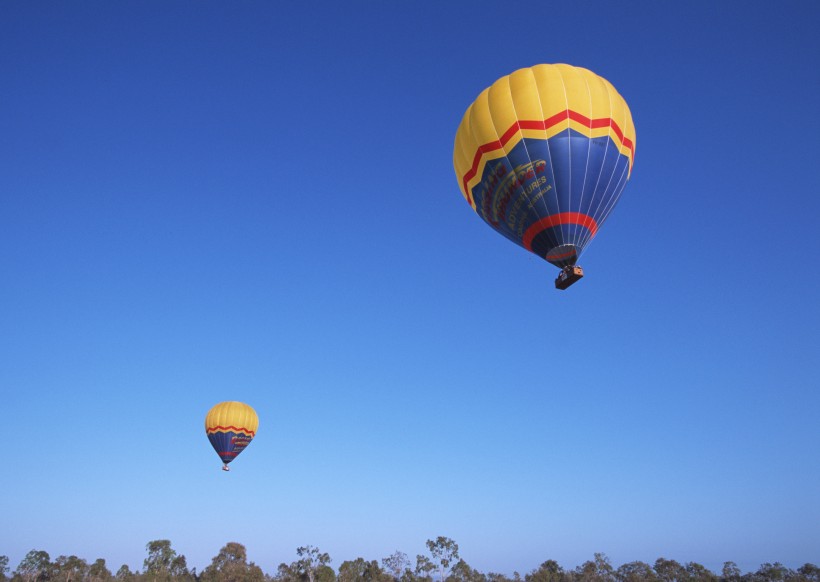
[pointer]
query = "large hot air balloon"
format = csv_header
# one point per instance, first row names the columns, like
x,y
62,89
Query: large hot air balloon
x,y
230,427
543,156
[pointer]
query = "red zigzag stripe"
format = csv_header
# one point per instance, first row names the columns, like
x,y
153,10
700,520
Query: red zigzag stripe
x,y
211,429
543,125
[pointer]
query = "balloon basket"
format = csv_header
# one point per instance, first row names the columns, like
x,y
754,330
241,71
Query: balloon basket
x,y
568,276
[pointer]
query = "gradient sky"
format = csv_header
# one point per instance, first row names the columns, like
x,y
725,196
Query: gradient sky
x,y
206,201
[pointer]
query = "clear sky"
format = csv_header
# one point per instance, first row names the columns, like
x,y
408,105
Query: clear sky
x,y
207,201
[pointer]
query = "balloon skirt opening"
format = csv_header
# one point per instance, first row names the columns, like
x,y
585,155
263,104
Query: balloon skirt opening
x,y
563,255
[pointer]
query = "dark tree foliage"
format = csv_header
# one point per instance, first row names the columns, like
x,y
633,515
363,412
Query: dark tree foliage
x,y
125,574
231,565
397,565
462,572
34,567
549,571
598,570
445,553
164,564
360,570
424,569
442,564
98,572
670,570
698,573
635,572
312,566
808,573
325,573
69,569
285,573
730,572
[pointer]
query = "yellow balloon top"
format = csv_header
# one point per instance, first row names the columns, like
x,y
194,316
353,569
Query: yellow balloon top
x,y
232,417
538,102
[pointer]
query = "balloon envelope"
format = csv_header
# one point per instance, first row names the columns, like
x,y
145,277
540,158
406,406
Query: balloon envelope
x,y
230,427
543,156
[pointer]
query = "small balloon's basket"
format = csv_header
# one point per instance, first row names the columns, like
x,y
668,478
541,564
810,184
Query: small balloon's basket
x,y
568,275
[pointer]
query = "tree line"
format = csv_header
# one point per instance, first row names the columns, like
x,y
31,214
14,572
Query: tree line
x,y
441,563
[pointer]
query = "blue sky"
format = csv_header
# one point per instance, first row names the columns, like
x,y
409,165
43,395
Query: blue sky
x,y
204,201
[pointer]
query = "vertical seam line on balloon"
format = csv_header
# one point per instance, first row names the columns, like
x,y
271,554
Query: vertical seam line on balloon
x,y
576,235
524,143
588,237
549,155
488,147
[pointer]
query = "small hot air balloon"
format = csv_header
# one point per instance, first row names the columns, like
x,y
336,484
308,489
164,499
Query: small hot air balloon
x,y
543,156
230,427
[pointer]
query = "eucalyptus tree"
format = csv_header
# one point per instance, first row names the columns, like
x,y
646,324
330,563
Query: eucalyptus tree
x,y
809,572
670,571
776,572
699,573
549,571
396,564
34,567
597,570
286,573
424,569
231,565
635,572
313,564
445,553
730,572
125,574
69,569
463,572
98,571
163,563
360,570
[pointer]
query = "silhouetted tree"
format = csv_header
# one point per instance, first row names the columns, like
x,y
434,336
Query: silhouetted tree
x,y
34,567
424,569
549,571
396,564
809,573
635,572
360,570
444,552
312,565
597,570
462,572
231,565
286,573
670,571
163,563
125,574
699,573
730,572
776,572
325,574
69,569
98,572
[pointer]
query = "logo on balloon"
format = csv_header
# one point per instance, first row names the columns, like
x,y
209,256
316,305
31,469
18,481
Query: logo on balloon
x,y
240,441
498,187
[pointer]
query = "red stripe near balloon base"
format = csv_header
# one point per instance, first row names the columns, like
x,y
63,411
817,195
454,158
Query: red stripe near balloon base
x,y
556,220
